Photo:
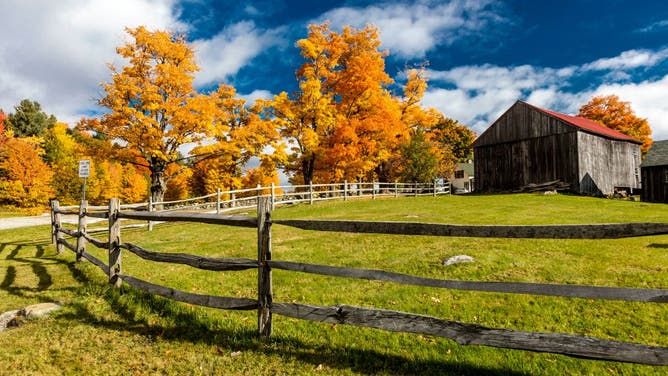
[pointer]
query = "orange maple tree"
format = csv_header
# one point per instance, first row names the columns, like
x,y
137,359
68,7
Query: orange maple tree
x,y
617,114
154,109
343,122
241,133
24,177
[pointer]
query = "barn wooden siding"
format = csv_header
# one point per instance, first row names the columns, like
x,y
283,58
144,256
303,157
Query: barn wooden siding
x,y
508,166
654,184
605,164
526,145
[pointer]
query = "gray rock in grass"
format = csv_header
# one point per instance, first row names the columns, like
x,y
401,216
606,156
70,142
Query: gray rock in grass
x,y
459,259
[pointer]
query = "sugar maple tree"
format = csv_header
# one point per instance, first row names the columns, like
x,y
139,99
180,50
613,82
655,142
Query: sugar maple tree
x,y
617,114
154,108
342,122
24,177
240,133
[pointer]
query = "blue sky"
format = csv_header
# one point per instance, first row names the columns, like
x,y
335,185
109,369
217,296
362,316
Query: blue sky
x,y
483,55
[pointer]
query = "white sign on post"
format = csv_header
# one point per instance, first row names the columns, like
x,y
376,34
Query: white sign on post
x,y
84,168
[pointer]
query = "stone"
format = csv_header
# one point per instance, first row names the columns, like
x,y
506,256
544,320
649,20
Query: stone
x,y
459,259
6,318
18,317
40,309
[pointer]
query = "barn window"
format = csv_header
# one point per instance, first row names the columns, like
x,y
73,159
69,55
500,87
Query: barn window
x,y
460,174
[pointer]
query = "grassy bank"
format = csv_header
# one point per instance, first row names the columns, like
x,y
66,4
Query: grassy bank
x,y
105,331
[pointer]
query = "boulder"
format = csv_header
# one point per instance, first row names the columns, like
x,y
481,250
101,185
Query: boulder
x,y
17,317
459,259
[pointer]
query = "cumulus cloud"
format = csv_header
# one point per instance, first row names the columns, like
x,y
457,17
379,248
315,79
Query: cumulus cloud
x,y
478,95
60,50
56,52
648,100
231,49
411,29
629,60
255,95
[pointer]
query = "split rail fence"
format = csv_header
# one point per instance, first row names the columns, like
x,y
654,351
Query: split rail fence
x,y
462,333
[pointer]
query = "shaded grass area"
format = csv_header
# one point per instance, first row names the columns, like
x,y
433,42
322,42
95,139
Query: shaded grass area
x,y
106,331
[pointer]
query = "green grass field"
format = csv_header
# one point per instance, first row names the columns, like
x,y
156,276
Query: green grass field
x,y
101,330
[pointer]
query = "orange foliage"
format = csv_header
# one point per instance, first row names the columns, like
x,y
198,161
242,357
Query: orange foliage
x,y
178,187
134,184
343,122
154,107
24,177
617,114
241,133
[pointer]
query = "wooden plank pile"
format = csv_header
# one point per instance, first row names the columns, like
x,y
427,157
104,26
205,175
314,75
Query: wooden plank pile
x,y
555,185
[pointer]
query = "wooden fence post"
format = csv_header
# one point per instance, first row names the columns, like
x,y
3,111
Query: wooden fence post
x,y
265,294
217,200
434,193
373,189
273,196
345,190
310,193
83,224
53,221
233,197
57,236
114,242
396,189
150,209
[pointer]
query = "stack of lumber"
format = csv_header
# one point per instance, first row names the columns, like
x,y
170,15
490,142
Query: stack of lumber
x,y
556,185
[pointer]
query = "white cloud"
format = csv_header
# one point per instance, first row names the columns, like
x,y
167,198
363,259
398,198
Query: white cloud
x,y
255,95
56,52
231,49
478,95
411,29
649,99
629,60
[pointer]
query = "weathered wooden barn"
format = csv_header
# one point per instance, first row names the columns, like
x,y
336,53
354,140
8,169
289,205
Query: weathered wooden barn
x,y
528,144
655,173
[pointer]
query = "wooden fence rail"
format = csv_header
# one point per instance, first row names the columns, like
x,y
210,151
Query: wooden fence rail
x,y
462,333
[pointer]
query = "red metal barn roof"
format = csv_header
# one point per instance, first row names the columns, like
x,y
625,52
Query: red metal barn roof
x,y
589,125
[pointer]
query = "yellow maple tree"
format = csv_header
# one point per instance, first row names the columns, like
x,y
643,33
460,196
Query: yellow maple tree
x,y
154,108
241,133
342,123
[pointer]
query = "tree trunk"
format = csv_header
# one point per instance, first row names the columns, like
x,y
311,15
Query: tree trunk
x,y
158,183
308,166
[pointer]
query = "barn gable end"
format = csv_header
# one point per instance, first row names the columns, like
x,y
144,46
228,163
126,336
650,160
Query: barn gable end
x,y
528,144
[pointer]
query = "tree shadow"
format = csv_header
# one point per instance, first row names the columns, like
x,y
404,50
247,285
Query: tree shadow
x,y
130,306
128,303
657,245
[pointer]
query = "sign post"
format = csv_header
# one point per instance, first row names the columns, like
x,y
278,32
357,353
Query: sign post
x,y
84,172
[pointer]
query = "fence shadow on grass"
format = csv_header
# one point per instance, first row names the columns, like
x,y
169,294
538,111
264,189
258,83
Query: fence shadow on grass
x,y
131,306
37,263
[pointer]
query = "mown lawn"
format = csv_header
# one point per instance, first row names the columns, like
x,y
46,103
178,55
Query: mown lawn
x,y
101,330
